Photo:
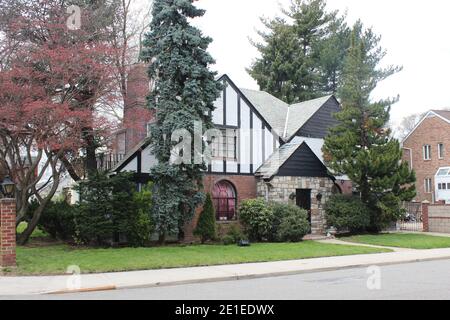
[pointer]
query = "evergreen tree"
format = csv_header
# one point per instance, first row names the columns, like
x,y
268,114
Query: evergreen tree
x,y
361,146
184,92
206,226
299,60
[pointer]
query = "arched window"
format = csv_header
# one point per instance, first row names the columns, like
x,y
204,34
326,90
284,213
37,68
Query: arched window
x,y
224,198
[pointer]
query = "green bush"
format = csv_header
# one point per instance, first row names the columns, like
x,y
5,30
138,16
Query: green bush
x,y
142,226
228,240
280,211
57,220
108,211
256,217
206,226
347,213
236,233
294,225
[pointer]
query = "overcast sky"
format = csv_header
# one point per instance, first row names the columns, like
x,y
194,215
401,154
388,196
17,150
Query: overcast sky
x,y
415,33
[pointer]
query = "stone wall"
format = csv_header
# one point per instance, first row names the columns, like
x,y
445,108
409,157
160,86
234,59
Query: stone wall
x,y
283,189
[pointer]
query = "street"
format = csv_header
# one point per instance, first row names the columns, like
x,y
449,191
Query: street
x,y
425,280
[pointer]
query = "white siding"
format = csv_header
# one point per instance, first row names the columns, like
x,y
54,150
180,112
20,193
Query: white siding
x,y
218,112
131,167
244,139
268,144
232,107
148,160
257,142
217,166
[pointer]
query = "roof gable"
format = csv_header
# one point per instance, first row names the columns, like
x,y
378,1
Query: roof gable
x,y
442,114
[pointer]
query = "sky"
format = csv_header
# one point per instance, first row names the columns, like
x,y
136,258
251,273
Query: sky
x,y
415,33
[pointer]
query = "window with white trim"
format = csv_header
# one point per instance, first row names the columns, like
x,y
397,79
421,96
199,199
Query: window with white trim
x,y
225,147
428,185
441,150
427,152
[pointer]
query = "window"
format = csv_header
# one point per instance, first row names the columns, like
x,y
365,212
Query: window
x,y
427,152
428,185
225,147
441,150
224,198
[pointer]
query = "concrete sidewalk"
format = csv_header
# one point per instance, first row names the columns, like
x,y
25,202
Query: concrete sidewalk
x,y
152,278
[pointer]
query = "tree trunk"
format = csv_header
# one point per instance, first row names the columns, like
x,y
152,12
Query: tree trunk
x,y
162,238
91,159
25,236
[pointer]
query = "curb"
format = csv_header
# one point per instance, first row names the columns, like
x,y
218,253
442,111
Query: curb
x,y
241,277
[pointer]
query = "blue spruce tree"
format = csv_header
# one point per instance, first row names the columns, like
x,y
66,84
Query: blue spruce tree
x,y
184,93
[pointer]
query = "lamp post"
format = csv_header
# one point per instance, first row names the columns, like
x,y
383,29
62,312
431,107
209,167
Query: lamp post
x,y
7,188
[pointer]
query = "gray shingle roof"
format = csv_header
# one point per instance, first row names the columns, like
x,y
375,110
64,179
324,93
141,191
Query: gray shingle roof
x,y
271,108
285,119
300,113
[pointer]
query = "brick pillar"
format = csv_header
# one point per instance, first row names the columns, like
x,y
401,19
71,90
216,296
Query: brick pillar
x,y
425,207
7,233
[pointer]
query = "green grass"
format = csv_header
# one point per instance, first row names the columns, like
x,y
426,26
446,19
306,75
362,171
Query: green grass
x,y
402,240
55,259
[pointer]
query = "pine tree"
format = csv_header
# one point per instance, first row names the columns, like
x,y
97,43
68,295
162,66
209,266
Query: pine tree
x,y
299,59
361,146
185,91
206,226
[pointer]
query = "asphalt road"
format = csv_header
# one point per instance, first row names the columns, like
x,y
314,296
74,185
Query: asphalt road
x,y
425,280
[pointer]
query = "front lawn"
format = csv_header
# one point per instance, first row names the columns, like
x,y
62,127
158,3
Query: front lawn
x,y
402,240
55,259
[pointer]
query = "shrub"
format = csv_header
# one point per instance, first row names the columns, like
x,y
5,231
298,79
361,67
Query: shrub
x,y
236,233
206,226
142,225
294,225
256,217
108,210
228,240
347,213
280,211
57,220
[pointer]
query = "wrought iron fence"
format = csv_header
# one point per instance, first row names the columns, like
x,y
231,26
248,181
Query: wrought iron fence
x,y
412,220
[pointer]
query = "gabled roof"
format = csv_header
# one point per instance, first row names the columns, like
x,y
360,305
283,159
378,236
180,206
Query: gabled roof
x,y
271,108
272,165
300,113
442,114
285,119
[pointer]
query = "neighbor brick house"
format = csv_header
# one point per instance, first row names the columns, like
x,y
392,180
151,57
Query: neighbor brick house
x,y
268,149
427,150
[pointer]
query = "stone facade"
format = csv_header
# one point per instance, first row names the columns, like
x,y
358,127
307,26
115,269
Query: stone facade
x,y
432,131
283,189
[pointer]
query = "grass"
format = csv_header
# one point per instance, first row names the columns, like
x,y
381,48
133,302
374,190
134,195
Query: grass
x,y
55,259
402,240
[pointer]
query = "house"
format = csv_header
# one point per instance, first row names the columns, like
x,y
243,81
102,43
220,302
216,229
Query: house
x,y
427,150
268,149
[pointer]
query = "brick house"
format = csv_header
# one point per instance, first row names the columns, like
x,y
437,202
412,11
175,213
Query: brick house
x,y
427,150
267,149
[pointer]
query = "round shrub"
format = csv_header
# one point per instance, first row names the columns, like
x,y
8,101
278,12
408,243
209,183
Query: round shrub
x,y
280,211
256,216
228,240
347,213
294,225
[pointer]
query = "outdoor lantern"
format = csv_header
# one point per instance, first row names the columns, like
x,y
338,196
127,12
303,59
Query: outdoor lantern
x,y
319,197
7,188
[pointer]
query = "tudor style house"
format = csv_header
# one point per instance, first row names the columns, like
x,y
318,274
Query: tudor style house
x,y
427,150
268,149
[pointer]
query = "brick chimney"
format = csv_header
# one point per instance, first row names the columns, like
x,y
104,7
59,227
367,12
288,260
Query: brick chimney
x,y
136,114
